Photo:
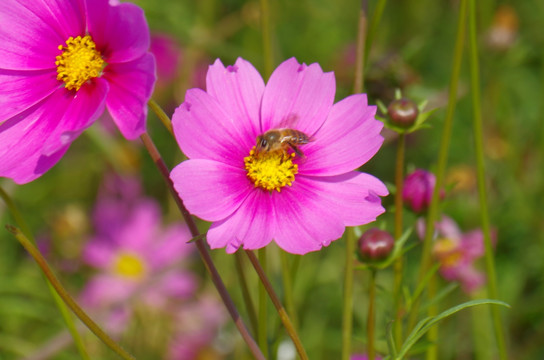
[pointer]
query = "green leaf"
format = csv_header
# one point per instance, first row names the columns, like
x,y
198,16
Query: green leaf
x,y
424,325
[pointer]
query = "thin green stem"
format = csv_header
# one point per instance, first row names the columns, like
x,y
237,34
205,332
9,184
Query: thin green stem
x,y
262,334
279,307
373,27
398,267
359,84
442,154
267,41
432,334
480,171
68,300
250,308
165,120
347,313
202,250
20,221
371,320
288,278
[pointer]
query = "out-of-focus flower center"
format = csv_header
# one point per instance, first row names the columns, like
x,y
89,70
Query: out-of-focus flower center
x,y
447,251
270,170
79,62
129,265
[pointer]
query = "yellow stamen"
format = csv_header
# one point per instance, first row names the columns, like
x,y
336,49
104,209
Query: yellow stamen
x,y
270,170
79,62
129,265
447,251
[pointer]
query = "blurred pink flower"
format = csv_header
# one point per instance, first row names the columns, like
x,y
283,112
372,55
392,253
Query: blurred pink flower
x,y
62,62
136,258
167,54
418,190
197,324
457,253
363,357
302,202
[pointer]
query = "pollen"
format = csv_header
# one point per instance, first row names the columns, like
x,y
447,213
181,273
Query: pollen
x,y
447,251
270,170
129,265
79,62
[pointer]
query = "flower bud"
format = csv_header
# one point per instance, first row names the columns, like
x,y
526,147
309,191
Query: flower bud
x,y
418,190
403,112
375,245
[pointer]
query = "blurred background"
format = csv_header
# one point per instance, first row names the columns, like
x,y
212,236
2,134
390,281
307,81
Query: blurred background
x,y
412,50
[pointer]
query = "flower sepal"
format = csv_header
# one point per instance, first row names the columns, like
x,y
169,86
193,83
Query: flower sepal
x,y
400,123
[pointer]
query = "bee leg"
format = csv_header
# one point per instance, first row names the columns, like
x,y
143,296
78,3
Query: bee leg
x,y
296,150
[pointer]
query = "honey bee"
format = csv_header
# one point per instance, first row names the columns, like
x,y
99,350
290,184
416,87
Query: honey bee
x,y
282,139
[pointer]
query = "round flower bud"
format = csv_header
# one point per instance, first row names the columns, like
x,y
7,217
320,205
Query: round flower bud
x,y
403,112
418,190
375,245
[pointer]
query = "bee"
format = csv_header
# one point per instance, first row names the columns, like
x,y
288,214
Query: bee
x,y
282,139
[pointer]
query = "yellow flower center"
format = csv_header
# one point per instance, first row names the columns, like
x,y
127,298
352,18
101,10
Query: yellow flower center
x,y
270,170
129,265
447,251
79,62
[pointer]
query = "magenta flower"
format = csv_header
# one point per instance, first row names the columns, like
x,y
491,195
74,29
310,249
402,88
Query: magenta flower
x,y
418,190
302,202
61,63
136,258
457,253
168,56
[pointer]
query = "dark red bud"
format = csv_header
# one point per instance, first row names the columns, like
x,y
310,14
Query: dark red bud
x,y
403,112
375,245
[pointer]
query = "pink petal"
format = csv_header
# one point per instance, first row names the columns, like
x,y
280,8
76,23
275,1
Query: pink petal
x,y
209,189
22,138
99,254
104,290
120,32
85,107
349,138
31,33
304,221
173,246
251,225
298,94
353,196
23,89
139,231
238,89
131,85
204,130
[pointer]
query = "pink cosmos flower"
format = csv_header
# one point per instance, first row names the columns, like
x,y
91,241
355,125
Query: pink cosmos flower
x,y
136,258
302,202
457,253
61,63
168,56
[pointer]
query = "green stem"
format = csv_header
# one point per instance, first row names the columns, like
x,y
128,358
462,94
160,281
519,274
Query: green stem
x,y
68,300
347,316
432,334
442,155
480,171
245,292
288,277
279,307
262,337
267,42
398,267
371,321
359,84
165,120
202,250
20,221
373,27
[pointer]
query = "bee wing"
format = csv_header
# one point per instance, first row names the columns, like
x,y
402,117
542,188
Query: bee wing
x,y
289,122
